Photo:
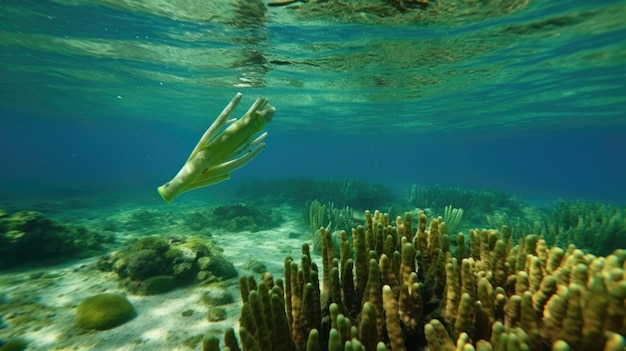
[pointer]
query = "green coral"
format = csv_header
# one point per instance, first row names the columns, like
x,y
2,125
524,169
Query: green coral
x,y
144,264
245,217
474,202
216,314
15,344
171,254
599,228
156,285
296,191
526,297
215,268
153,266
156,243
334,219
197,248
30,237
216,297
593,227
255,266
104,311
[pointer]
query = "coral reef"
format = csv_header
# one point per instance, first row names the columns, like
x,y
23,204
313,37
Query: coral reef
x,y
318,215
452,216
475,203
28,237
593,227
239,216
297,191
401,288
244,216
153,265
104,311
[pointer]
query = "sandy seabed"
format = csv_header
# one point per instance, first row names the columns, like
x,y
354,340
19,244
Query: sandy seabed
x,y
172,321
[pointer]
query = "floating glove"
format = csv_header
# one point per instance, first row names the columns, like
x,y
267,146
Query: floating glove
x,y
226,146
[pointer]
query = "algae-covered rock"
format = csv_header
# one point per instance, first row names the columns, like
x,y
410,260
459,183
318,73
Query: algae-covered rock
x,y
185,270
104,311
171,254
216,297
29,237
147,263
14,344
195,248
255,266
156,243
242,216
216,314
197,221
154,265
215,268
151,286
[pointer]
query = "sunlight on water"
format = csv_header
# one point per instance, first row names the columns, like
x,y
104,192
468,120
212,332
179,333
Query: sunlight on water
x,y
344,63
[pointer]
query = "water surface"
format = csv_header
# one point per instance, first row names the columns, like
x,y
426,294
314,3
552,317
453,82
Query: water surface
x,y
521,96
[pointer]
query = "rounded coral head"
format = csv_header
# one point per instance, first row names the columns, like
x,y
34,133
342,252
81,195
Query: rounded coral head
x,y
104,311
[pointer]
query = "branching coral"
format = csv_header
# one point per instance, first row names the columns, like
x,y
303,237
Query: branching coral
x,y
318,215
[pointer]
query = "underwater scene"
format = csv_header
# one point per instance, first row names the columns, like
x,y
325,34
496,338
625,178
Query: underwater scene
x,y
321,175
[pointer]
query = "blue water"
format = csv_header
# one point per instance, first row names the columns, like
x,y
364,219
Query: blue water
x,y
99,96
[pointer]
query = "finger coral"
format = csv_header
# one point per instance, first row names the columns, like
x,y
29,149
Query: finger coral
x,y
415,294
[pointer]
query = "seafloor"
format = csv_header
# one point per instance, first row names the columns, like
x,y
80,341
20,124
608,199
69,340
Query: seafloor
x,y
38,302
255,231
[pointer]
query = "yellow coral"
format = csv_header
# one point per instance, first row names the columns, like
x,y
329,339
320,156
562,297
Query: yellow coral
x,y
528,297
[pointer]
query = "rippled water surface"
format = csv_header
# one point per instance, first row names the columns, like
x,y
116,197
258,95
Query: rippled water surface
x,y
332,68
509,63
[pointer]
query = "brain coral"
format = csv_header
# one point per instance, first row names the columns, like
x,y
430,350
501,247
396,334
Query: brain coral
x,y
104,311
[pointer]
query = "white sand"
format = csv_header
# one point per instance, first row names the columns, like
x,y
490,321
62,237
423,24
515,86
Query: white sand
x,y
159,324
